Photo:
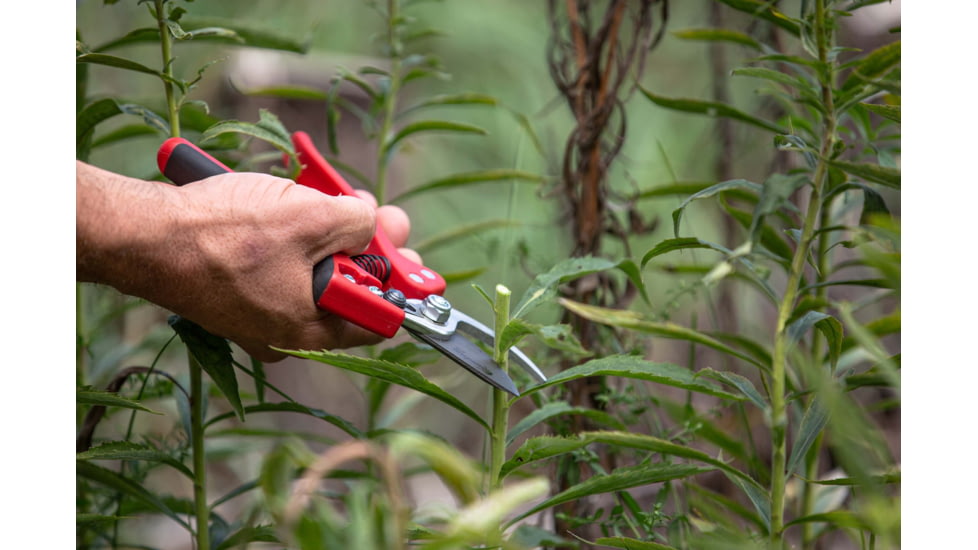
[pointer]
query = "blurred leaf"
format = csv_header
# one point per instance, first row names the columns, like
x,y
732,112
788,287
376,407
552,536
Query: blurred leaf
x,y
288,92
709,192
458,233
634,321
249,533
452,99
681,243
390,372
127,487
479,519
293,407
671,189
829,326
770,75
455,277
837,518
618,480
891,112
874,66
431,126
718,35
559,337
458,180
630,544
745,386
125,134
104,109
629,366
762,9
88,396
545,285
559,408
529,536
889,177
775,195
268,129
459,473
713,109
812,424
119,63
127,450
214,356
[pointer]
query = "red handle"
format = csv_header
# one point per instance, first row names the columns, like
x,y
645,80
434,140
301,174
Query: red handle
x,y
340,285
411,278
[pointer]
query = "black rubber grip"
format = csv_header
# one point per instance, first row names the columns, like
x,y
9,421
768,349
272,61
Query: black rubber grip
x,y
187,164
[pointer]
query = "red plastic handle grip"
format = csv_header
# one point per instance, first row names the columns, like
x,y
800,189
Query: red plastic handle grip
x,y
340,286
411,278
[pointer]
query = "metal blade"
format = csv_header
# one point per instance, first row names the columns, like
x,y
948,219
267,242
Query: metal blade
x,y
484,334
471,357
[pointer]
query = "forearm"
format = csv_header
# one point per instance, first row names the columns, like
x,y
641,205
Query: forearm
x,y
122,226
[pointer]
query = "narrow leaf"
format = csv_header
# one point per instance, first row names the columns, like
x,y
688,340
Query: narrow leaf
x,y
431,126
629,366
718,35
458,180
763,9
389,372
634,321
681,243
89,396
214,356
630,544
127,450
712,109
812,423
545,285
559,408
249,533
709,192
620,479
891,112
457,233
889,177
127,487
293,407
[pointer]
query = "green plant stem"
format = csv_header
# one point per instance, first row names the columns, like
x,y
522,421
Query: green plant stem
x,y
390,101
779,419
201,509
166,47
500,399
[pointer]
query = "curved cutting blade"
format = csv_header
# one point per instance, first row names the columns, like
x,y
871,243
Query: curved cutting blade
x,y
471,357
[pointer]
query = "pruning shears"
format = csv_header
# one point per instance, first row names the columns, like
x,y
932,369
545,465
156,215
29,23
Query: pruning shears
x,y
380,289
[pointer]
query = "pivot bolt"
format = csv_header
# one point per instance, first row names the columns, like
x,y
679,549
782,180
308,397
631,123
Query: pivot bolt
x,y
437,308
396,297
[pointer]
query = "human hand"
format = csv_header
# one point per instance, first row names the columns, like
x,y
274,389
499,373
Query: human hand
x,y
234,253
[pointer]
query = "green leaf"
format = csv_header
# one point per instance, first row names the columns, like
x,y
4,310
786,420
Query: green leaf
x,y
829,326
629,366
127,487
763,9
838,518
713,109
431,126
672,189
119,63
126,450
268,129
891,112
529,536
889,177
88,396
389,372
453,99
630,544
104,109
559,337
874,66
634,321
718,35
709,192
745,386
681,243
768,74
232,32
288,92
812,423
457,233
540,448
249,533
458,180
618,480
559,408
775,194
213,354
293,407
544,286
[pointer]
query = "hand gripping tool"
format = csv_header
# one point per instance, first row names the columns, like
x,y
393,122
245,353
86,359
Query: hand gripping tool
x,y
379,290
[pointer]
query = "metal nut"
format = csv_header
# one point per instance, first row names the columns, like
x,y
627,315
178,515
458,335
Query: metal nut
x,y
437,308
